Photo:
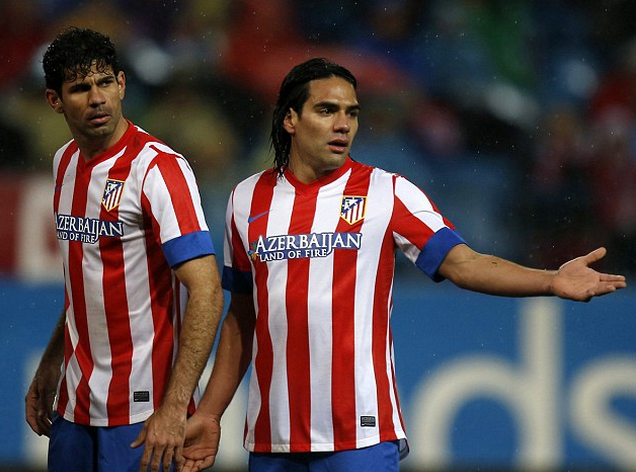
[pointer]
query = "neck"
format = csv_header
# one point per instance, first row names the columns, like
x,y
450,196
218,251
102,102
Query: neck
x,y
94,145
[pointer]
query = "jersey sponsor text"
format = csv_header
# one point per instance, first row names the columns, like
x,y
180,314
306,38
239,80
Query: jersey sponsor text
x,y
86,230
297,246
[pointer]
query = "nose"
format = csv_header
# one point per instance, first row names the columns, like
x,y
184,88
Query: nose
x,y
95,96
342,123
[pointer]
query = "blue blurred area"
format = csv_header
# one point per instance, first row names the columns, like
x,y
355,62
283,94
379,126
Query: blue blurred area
x,y
481,379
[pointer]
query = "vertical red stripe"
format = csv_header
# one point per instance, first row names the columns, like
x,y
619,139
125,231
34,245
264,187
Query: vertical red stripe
x,y
179,192
381,337
343,362
62,400
61,171
263,363
298,371
164,303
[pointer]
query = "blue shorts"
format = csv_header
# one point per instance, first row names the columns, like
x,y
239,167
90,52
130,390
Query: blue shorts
x,y
79,448
383,457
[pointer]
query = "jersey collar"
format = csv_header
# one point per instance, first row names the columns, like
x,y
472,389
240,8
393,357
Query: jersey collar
x,y
320,182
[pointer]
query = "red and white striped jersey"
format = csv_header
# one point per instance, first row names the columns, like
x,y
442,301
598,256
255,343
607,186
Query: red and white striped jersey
x,y
123,219
320,259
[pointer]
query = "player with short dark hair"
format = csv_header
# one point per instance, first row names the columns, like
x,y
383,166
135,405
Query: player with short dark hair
x,y
309,260
142,290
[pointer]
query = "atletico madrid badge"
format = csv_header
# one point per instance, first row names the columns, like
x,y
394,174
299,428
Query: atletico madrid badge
x,y
353,208
112,194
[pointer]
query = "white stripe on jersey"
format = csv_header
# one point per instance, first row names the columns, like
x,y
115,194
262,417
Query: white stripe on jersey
x,y
322,436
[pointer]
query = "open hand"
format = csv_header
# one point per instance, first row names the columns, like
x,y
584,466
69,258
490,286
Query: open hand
x,y
201,446
576,280
162,436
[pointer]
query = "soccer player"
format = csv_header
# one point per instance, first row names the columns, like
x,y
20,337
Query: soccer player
x,y
309,262
143,297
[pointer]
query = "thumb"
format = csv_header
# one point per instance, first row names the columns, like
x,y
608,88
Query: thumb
x,y
141,438
595,255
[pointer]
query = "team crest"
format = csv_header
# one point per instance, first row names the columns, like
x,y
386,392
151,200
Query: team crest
x,y
353,208
112,194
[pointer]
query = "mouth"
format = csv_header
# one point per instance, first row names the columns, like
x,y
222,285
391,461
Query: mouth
x,y
99,118
339,146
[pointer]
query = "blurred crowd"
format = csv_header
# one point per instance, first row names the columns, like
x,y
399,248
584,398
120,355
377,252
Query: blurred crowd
x,y
518,118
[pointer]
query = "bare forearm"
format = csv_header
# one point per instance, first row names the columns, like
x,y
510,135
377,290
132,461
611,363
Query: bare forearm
x,y
233,357
574,280
198,331
200,323
54,352
496,276
493,275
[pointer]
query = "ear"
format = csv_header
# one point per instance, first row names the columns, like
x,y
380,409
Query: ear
x,y
121,83
54,100
289,123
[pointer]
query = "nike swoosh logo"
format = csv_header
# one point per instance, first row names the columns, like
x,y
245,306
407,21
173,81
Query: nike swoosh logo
x,y
251,219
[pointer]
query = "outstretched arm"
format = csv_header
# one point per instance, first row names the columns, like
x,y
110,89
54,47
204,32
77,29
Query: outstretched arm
x,y
233,356
41,395
164,432
574,280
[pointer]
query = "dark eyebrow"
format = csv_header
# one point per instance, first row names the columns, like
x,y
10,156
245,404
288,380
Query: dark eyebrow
x,y
77,86
335,106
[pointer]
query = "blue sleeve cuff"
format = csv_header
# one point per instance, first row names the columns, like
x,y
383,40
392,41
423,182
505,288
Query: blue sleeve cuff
x,y
187,247
236,281
435,251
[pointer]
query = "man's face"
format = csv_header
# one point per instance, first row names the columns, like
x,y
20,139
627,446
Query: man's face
x,y
322,135
92,106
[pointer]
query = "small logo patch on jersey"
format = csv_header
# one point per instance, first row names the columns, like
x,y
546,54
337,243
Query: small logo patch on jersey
x,y
252,219
141,396
367,421
353,208
112,194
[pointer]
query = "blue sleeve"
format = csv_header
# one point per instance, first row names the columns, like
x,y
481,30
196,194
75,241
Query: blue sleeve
x,y
236,280
435,251
187,247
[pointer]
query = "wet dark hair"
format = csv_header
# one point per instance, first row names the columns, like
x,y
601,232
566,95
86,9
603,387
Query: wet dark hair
x,y
294,92
73,53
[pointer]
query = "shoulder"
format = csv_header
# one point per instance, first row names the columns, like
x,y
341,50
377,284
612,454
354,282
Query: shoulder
x,y
377,172
149,151
69,147
267,177
143,140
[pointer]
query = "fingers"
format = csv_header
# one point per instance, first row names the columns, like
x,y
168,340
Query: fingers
x,y
141,438
160,459
178,459
617,280
38,409
44,422
31,412
197,465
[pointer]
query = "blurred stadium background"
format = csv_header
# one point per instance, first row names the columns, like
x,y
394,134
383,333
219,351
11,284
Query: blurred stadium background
x,y
517,117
